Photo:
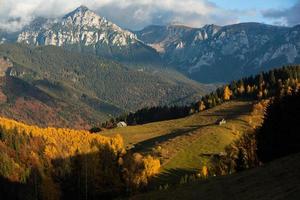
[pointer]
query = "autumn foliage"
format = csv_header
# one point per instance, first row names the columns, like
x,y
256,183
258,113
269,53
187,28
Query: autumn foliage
x,y
137,174
63,163
227,93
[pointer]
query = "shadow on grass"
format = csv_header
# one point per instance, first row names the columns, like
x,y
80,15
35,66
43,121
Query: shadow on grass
x,y
171,177
232,112
229,114
175,176
147,145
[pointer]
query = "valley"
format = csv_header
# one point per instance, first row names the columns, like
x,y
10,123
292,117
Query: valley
x,y
149,100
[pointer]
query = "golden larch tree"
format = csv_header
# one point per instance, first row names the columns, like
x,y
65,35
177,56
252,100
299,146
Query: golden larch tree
x,y
227,93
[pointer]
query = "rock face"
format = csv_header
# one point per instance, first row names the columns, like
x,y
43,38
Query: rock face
x,y
85,31
82,26
217,54
209,54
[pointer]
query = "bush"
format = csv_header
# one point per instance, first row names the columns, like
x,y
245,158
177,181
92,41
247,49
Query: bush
x,y
139,169
95,130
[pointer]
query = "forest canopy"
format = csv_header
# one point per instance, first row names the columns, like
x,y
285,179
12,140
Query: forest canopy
x,y
50,163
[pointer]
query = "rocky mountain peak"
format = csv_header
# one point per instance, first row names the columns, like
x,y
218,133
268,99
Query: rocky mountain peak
x,y
84,30
81,11
82,8
81,26
210,26
83,16
211,29
224,53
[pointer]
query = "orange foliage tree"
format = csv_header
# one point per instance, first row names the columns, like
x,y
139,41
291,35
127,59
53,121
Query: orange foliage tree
x,y
65,163
227,93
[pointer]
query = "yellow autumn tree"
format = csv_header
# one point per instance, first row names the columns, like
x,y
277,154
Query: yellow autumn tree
x,y
227,93
204,171
201,106
139,169
41,156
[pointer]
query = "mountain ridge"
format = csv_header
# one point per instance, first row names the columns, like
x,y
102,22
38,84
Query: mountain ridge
x,y
209,54
222,53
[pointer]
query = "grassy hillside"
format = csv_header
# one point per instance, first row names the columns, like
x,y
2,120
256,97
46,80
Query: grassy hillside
x,y
85,82
184,144
276,180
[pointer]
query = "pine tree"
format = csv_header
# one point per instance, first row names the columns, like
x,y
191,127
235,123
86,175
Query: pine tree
x,y
272,79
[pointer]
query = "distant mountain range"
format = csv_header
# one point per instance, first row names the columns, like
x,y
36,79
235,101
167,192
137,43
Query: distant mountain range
x,y
209,54
219,54
84,69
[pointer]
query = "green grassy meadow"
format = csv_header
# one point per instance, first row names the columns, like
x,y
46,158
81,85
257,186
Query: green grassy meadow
x,y
183,145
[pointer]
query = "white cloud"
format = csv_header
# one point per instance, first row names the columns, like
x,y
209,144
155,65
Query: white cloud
x,y
133,14
289,16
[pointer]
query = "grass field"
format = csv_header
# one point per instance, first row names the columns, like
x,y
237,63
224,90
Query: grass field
x,y
184,144
165,130
279,180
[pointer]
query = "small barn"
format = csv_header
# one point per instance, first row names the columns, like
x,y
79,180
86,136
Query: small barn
x,y
121,124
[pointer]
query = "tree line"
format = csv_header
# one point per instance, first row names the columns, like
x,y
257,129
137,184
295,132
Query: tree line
x,y
276,82
277,137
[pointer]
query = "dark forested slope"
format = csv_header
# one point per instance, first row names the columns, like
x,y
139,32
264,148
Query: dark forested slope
x,y
84,82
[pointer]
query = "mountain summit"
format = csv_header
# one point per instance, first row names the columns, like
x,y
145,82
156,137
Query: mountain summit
x,y
85,31
80,10
81,26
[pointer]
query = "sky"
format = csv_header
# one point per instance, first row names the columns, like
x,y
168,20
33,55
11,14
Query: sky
x,y
136,14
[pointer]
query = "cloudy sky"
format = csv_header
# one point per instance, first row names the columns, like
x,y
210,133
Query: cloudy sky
x,y
136,14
